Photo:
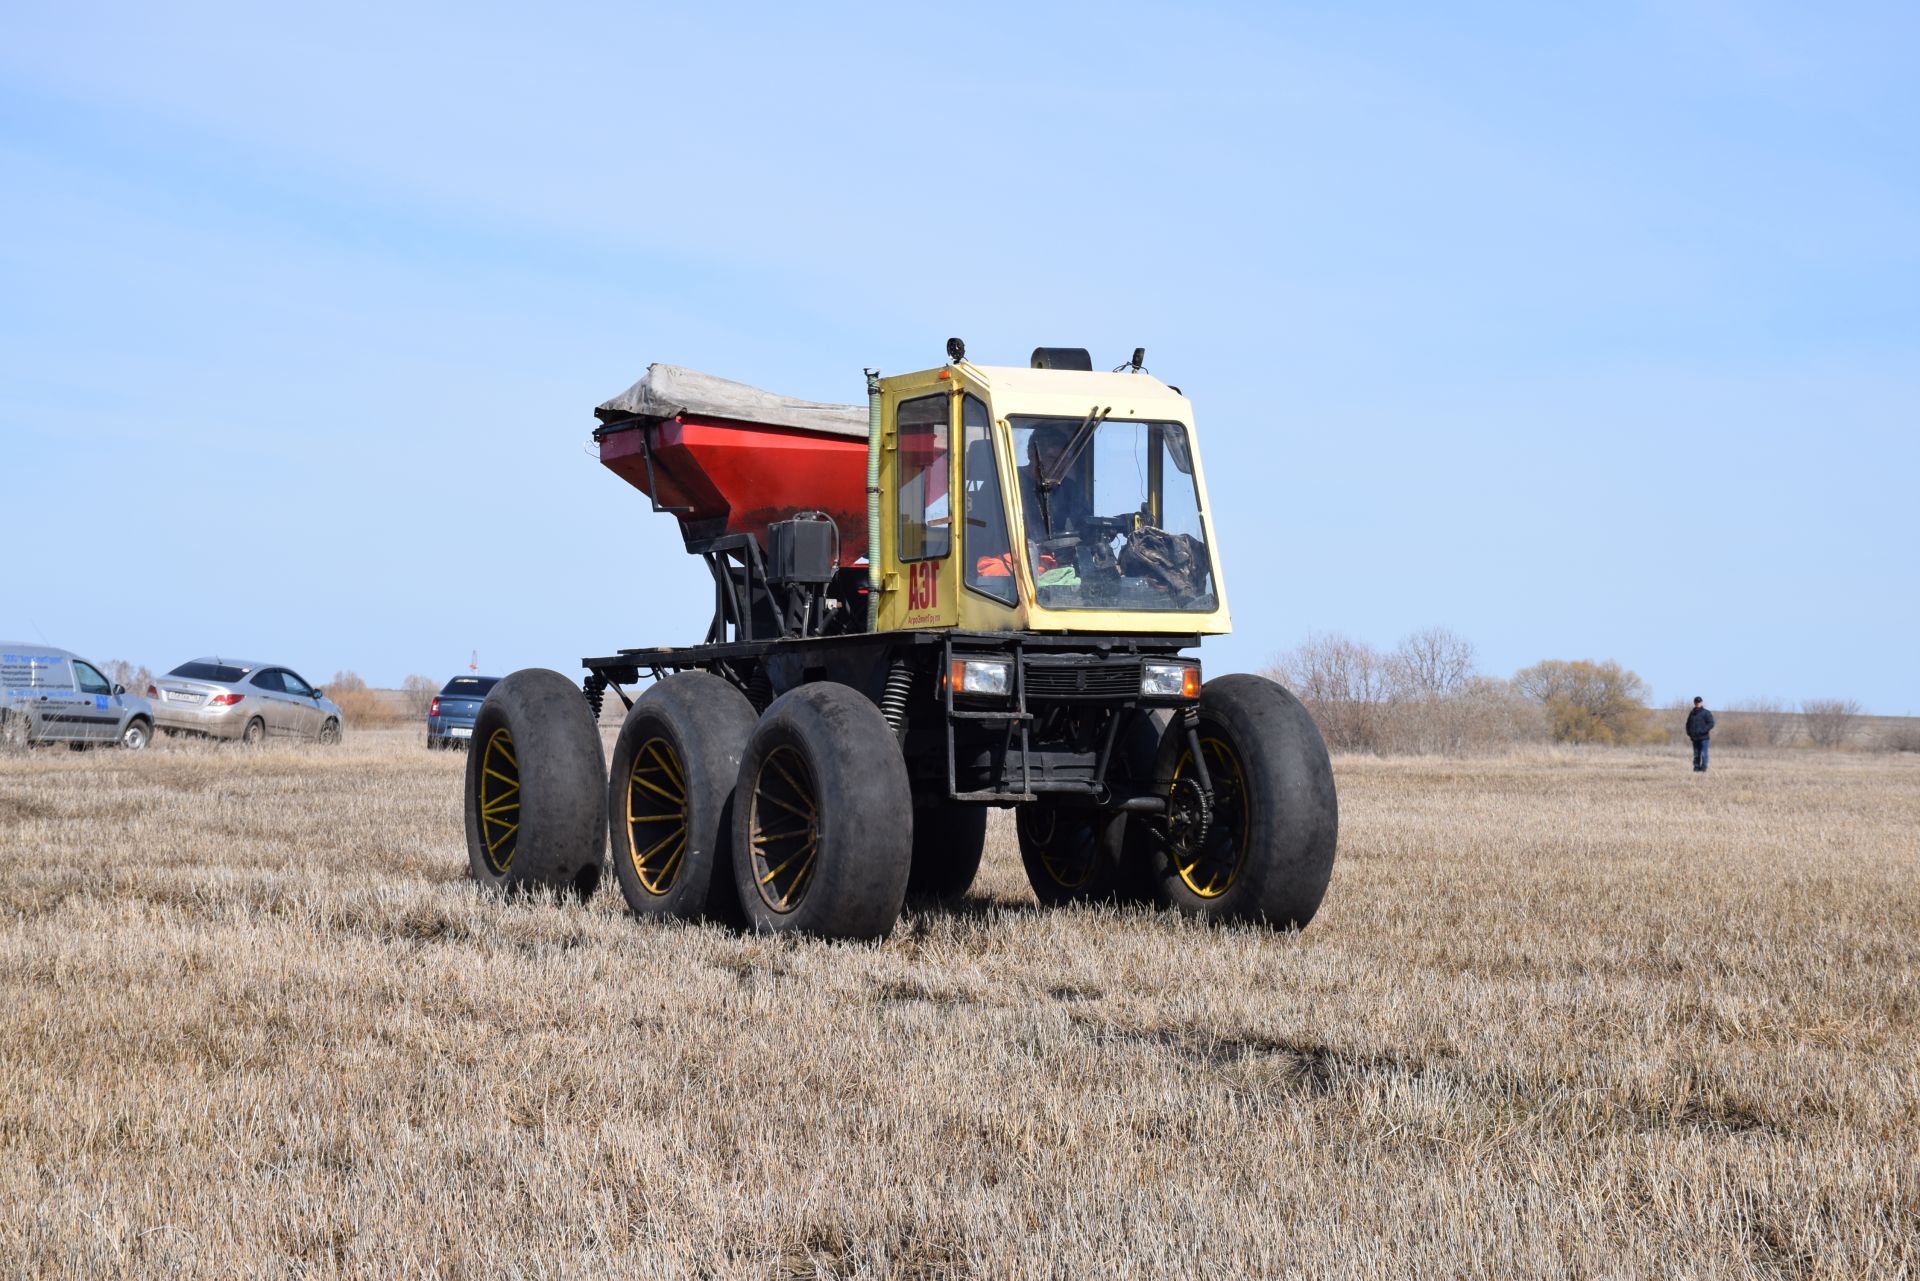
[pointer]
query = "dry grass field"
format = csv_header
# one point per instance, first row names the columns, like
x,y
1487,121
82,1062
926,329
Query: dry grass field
x,y
1564,1014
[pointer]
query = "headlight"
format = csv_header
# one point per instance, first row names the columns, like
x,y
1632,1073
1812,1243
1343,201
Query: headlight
x,y
1170,680
984,677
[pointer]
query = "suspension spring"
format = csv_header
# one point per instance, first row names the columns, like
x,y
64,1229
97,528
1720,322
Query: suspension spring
x,y
893,703
595,688
760,689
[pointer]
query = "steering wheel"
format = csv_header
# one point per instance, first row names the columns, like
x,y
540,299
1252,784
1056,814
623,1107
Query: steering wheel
x,y
1106,528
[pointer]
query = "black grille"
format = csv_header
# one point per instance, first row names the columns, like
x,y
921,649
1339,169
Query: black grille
x,y
1100,678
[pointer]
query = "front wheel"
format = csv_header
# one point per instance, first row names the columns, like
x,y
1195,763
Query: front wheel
x,y
330,733
1262,847
535,788
136,736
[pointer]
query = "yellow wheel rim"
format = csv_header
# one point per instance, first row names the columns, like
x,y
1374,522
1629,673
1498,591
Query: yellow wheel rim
x,y
1212,870
656,816
785,825
1067,857
499,801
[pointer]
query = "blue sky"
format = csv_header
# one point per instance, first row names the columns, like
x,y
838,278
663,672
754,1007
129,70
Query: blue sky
x,y
1585,334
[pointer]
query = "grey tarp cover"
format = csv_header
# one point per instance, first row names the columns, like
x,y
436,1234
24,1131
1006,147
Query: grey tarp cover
x,y
668,390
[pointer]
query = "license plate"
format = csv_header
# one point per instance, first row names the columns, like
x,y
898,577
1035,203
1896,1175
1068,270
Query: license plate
x,y
460,731
175,696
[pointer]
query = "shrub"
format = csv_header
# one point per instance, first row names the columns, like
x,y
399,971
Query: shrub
x,y
1902,735
1829,721
1344,684
1773,724
1589,702
135,678
359,706
417,692
14,730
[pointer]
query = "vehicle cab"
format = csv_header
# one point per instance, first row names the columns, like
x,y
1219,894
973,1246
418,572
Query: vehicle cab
x,y
1045,499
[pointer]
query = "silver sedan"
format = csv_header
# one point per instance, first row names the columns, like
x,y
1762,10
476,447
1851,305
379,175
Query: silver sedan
x,y
237,698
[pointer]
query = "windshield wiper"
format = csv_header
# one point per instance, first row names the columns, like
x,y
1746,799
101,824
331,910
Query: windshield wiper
x,y
1075,447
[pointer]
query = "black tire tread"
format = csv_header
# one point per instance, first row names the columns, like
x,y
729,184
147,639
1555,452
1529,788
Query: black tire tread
x,y
1293,808
707,721
562,839
866,814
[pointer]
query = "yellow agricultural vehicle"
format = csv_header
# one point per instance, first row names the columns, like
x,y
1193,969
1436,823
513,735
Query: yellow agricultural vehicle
x,y
979,591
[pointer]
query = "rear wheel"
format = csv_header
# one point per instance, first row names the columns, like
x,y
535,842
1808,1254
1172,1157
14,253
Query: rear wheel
x,y
1263,849
535,785
822,817
669,797
1072,855
255,733
948,840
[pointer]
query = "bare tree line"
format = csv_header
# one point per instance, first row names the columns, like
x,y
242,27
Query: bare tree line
x,y
1427,696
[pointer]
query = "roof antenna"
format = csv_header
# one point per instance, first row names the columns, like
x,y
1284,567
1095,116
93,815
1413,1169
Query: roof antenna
x,y
1138,365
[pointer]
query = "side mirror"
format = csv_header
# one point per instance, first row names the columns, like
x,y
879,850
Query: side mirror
x,y
319,694
119,689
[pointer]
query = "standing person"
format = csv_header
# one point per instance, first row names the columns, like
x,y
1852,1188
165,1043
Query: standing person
x,y
1699,727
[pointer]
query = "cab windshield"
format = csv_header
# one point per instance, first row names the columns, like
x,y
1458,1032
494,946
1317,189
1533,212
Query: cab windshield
x,y
1111,515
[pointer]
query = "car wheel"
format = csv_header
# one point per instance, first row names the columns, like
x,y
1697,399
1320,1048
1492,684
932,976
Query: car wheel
x,y
138,734
330,733
255,733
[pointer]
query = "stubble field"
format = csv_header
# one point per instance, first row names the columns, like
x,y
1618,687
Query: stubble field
x,y
1580,1014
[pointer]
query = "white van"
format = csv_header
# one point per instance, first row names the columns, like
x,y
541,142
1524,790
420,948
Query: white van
x,y
60,697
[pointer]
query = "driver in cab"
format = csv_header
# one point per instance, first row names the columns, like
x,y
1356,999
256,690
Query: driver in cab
x,y
1059,516
1062,510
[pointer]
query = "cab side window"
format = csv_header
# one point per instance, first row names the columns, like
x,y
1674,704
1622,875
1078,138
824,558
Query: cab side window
x,y
989,561
922,470
90,681
269,680
295,686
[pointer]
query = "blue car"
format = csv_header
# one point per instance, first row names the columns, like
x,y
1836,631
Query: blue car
x,y
450,719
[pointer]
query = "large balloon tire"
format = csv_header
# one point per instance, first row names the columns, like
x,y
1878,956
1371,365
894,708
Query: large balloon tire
x,y
1275,822
670,793
949,839
822,817
536,788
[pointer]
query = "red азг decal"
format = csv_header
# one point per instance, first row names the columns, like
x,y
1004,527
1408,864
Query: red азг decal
x,y
923,585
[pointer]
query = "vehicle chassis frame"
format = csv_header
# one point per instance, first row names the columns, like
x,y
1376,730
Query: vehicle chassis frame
x,y
891,668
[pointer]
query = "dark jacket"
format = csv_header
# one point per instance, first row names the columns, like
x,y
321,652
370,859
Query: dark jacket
x,y
1699,723
1066,504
